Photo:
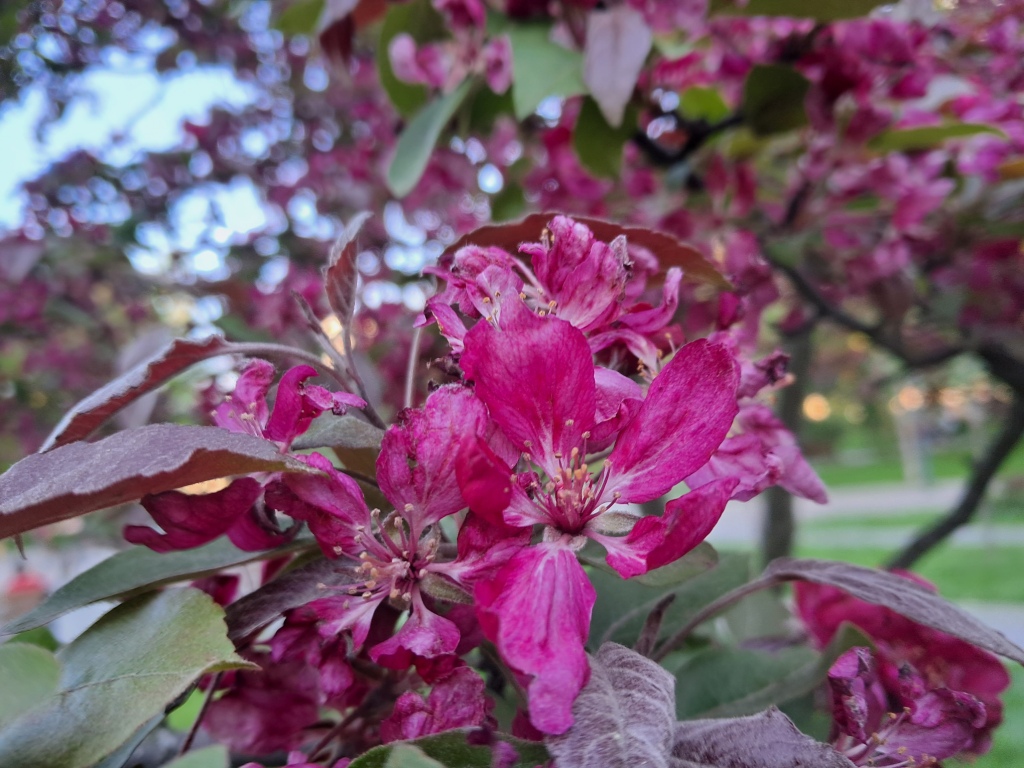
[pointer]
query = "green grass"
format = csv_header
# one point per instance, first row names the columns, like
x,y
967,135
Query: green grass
x,y
960,573
908,520
886,467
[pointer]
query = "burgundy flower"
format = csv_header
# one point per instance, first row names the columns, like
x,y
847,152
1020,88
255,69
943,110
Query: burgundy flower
x,y
455,701
907,651
397,552
899,722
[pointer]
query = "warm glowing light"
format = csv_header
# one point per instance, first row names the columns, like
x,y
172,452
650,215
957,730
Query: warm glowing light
x,y
207,486
910,398
857,342
953,399
331,325
816,407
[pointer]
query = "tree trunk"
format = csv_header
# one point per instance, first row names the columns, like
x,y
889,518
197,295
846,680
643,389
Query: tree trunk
x,y
778,533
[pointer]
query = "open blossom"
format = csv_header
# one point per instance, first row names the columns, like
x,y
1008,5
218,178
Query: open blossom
x,y
597,287
913,660
397,552
235,511
537,378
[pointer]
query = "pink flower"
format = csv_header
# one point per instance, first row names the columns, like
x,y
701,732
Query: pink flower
x,y
538,381
455,701
397,552
901,721
909,651
190,520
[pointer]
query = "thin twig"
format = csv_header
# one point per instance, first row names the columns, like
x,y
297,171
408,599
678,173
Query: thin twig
x,y
676,641
342,362
190,737
974,493
410,370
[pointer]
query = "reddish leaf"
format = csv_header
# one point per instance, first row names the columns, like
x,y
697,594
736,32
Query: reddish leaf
x,y
670,252
82,477
340,275
289,590
766,740
618,41
901,595
625,715
89,413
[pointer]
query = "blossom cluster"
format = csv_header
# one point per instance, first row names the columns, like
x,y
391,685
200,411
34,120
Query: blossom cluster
x,y
574,398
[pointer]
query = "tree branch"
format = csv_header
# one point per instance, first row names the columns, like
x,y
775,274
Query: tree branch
x,y
830,311
982,474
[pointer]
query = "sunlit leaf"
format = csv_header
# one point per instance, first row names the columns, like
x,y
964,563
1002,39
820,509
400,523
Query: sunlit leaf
x,y
541,68
417,141
123,671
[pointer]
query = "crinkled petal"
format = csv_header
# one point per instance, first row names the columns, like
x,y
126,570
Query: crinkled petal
x,y
331,504
191,520
653,319
688,411
424,635
416,466
293,410
743,458
537,612
536,376
484,547
656,541
245,409
458,700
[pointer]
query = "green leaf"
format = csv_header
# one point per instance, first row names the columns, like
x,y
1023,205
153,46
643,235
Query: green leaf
x,y
509,203
211,757
119,674
714,677
137,570
541,68
773,99
417,141
819,10
927,136
30,675
330,431
700,103
406,756
623,604
598,145
796,682
450,749
120,756
419,19
701,558
300,17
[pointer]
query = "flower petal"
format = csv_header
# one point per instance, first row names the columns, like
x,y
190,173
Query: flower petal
x,y
657,541
536,376
537,611
688,411
416,466
190,520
